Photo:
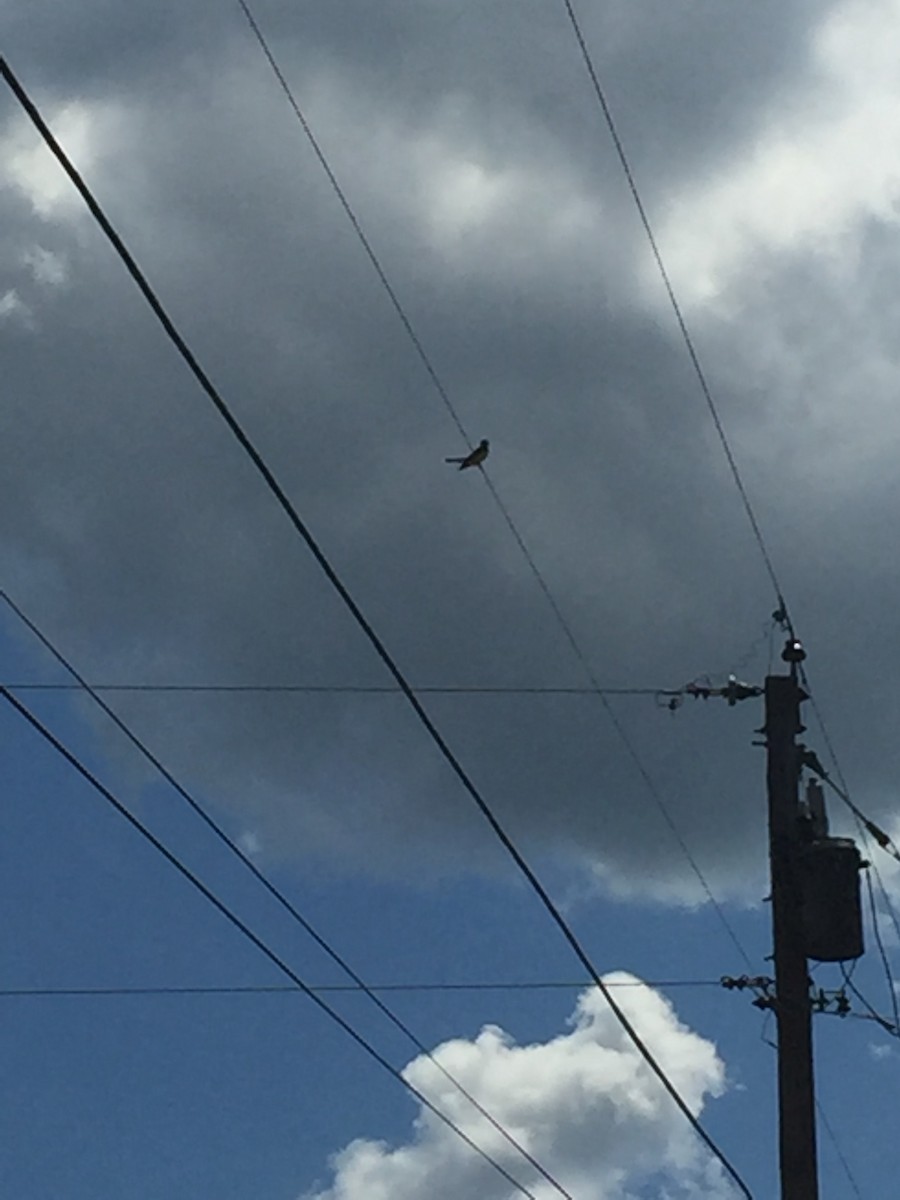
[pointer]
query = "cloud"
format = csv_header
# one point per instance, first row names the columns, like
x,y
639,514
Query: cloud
x,y
136,534
584,1104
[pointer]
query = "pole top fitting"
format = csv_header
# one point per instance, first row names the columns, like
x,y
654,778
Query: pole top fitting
x,y
793,651
734,690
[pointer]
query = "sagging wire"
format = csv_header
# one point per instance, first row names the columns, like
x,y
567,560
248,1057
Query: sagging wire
x,y
873,1013
885,962
764,639
702,687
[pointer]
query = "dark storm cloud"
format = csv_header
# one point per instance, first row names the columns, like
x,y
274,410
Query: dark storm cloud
x,y
519,63
136,532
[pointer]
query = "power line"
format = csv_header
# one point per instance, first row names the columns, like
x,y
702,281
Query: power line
x,y
276,893
873,1012
353,219
676,308
336,689
885,962
375,641
836,1146
885,895
497,498
254,938
323,989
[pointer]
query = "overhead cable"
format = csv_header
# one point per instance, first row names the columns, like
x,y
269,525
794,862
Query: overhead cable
x,y
885,961
838,1150
677,310
267,990
375,641
352,218
337,689
885,1024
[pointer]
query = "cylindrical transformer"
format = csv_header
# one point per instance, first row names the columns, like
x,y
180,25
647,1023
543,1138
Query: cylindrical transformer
x,y
830,898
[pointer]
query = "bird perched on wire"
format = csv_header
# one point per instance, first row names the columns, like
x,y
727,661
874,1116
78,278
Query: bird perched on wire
x,y
474,458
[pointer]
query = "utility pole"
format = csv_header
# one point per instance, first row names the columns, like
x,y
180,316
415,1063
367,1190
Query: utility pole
x,y
815,895
793,1008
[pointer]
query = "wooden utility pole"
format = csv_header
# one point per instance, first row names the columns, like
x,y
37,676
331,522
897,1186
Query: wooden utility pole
x,y
793,1010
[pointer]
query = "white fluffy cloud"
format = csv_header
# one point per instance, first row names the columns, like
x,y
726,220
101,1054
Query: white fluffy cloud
x,y
584,1104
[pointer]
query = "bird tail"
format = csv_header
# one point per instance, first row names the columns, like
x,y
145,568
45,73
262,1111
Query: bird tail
x,y
454,460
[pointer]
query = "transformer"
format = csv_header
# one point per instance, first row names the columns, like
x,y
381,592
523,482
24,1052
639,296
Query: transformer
x,y
830,899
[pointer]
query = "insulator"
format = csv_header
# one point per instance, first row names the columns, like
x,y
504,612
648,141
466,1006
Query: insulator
x,y
793,651
830,899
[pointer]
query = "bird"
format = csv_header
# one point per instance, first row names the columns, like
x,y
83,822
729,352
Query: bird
x,y
474,458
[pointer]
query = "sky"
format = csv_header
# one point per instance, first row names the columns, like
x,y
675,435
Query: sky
x,y
137,536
